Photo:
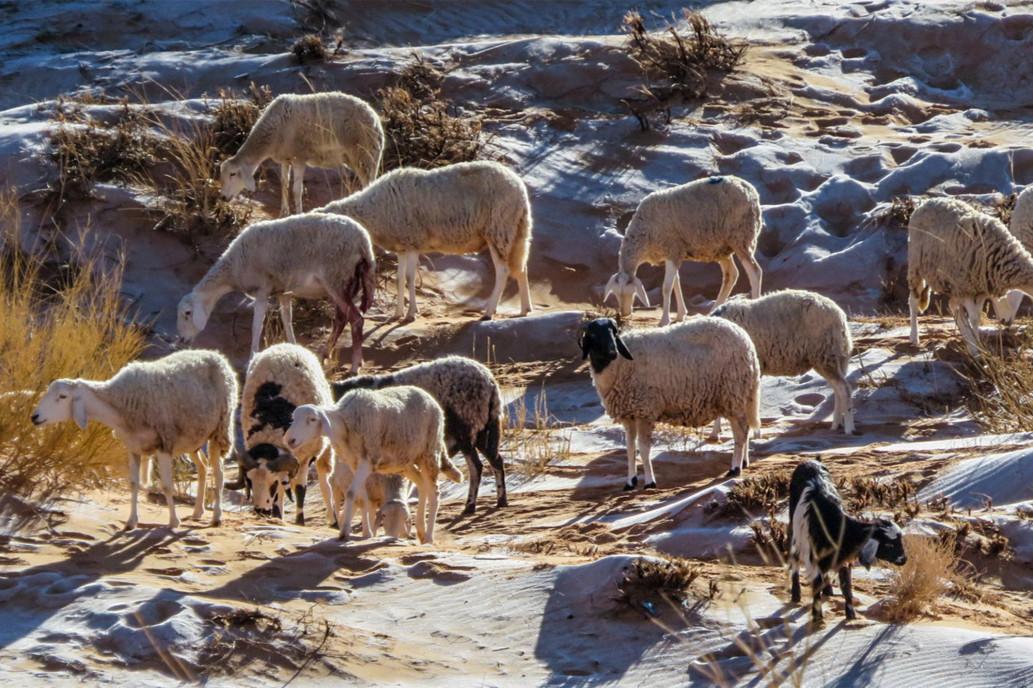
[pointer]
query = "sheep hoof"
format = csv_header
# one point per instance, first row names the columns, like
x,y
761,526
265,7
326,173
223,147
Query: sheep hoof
x,y
469,510
344,537
630,485
501,502
851,615
649,486
733,473
130,525
795,598
299,519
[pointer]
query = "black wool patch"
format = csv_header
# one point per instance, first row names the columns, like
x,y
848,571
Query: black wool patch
x,y
271,410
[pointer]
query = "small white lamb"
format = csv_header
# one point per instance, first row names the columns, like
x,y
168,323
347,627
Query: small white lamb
x,y
386,502
709,220
1021,226
456,209
311,256
168,407
318,129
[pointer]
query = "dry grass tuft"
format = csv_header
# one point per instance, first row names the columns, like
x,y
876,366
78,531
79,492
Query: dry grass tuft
x,y
421,127
1001,383
896,495
309,48
677,66
759,494
898,215
917,585
648,582
771,539
234,116
63,320
532,438
1002,206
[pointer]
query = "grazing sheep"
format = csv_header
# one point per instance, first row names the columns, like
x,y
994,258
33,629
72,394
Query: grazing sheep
x,y
686,374
822,538
311,256
1021,227
386,502
398,430
456,209
967,255
318,129
793,332
710,220
470,397
171,406
279,379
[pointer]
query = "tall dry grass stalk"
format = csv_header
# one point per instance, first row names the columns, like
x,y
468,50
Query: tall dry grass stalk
x,y
931,569
1002,384
66,323
532,437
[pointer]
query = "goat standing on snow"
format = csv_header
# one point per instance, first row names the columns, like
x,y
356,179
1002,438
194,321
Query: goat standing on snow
x,y
823,538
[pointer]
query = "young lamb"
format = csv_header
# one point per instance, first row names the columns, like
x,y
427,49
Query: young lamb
x,y
1021,227
311,256
685,374
709,220
967,255
168,407
456,209
318,129
386,502
822,538
793,332
470,397
279,379
398,430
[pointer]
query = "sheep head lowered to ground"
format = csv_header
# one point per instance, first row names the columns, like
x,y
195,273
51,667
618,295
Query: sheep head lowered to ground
x,y
268,469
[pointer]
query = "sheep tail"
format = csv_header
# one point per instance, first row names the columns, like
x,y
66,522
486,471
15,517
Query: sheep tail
x,y
521,242
365,279
924,297
447,467
490,436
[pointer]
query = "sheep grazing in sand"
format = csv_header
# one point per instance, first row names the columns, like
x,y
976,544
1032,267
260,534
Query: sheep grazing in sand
x,y
822,538
398,430
969,256
471,399
386,502
317,129
710,220
1021,226
686,374
795,331
311,256
279,379
168,407
456,209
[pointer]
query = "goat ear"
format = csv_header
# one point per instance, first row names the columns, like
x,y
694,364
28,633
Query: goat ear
x,y
868,552
79,411
640,292
611,287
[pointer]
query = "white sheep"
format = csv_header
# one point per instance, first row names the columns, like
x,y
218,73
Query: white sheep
x,y
311,256
456,209
1021,226
398,430
318,129
686,374
386,502
709,220
471,399
969,256
279,379
171,406
795,331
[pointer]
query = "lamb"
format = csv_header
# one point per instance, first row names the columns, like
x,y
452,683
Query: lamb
x,y
398,430
311,256
685,374
386,502
318,129
793,332
823,538
709,220
456,209
471,399
1021,226
279,379
171,406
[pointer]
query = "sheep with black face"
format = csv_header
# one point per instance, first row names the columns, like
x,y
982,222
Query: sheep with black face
x,y
686,374
823,538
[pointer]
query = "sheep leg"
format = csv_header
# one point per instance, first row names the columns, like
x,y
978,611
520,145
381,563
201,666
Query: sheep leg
x,y
740,446
258,320
645,442
679,298
134,490
848,592
356,320
630,435
335,333
430,486
298,174
844,412
285,182
356,490
499,469
958,308
323,480
729,276
525,292
300,490
501,277
1007,307
715,431
670,277
215,453
202,485
754,273
286,304
412,263
794,592
975,314
403,270
475,469
912,307
165,471
369,528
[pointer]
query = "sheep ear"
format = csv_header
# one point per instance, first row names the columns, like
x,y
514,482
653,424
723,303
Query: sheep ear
x,y
868,552
621,348
581,343
198,315
611,287
640,292
79,411
328,428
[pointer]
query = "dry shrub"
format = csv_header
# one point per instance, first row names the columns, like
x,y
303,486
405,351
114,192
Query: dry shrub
x,y
1001,382
898,215
422,129
233,117
916,586
309,48
897,495
647,582
677,67
771,539
67,321
756,495
1002,206
532,437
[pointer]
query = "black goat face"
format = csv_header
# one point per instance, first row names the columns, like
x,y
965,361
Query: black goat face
x,y
891,542
600,341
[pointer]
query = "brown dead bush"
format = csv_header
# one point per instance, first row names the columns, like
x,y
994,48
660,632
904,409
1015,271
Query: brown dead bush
x,y
756,495
932,569
648,582
233,117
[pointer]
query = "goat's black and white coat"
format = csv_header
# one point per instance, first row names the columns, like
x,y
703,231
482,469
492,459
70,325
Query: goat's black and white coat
x,y
823,538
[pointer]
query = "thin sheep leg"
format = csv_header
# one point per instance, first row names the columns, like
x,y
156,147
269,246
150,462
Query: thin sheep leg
x,y
355,490
432,506
729,276
356,320
215,453
403,268
630,435
975,313
258,320
165,470
285,183
286,304
501,276
715,431
323,480
645,441
670,273
679,298
754,273
525,292
134,489
202,484
412,261
958,309
298,174
912,306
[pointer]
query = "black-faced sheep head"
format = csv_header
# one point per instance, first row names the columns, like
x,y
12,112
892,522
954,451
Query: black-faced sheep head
x,y
601,343
886,543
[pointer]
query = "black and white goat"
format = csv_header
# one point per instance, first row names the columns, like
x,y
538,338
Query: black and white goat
x,y
823,538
